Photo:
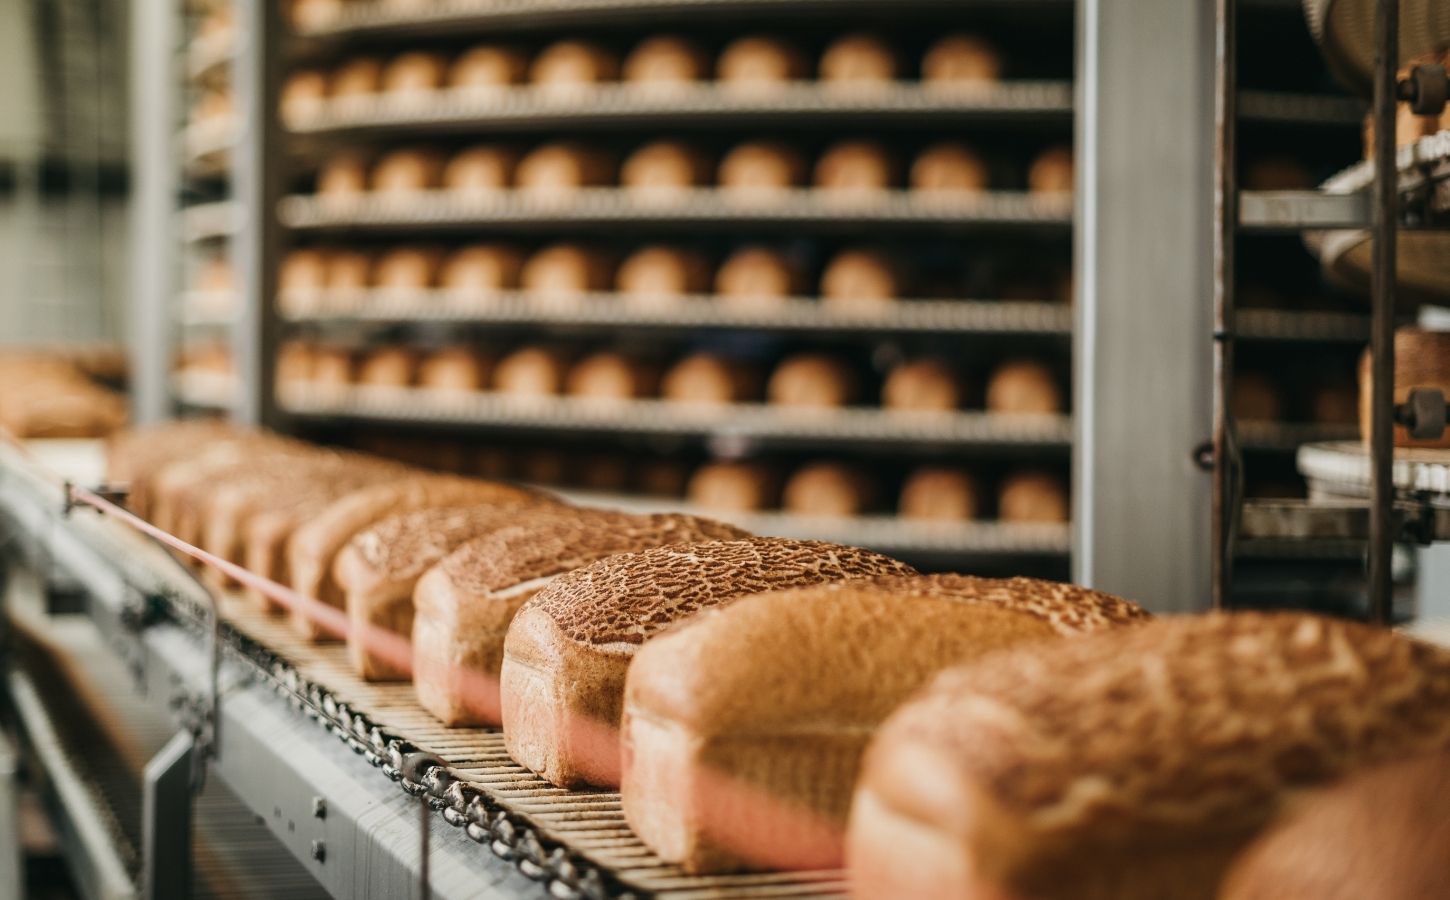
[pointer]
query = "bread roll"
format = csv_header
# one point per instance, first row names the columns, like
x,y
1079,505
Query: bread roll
x,y
860,278
567,67
759,63
314,546
568,648
465,603
388,367
481,269
1255,398
1030,495
530,372
314,15
303,95
938,494
333,367
662,478
302,271
811,380
1381,833
414,72
1277,173
343,175
656,275
665,61
483,169
348,271
407,170
961,59
761,167
923,384
707,378
1023,386
664,168
777,692
828,489
1051,172
407,268
858,59
855,167
610,376
1335,404
454,369
381,565
295,362
487,67
756,277
361,76
135,455
1422,359
732,487
949,167
213,106
1133,763
559,169
216,275
601,472
566,270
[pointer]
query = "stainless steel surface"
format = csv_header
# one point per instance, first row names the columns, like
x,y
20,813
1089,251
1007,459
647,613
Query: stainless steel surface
x,y
1227,462
1338,520
209,221
1382,312
12,859
1142,352
166,821
1293,211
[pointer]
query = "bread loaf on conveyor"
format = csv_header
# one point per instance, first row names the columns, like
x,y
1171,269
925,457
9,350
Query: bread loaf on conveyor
x,y
313,547
1134,763
464,604
782,690
178,491
134,456
380,565
569,647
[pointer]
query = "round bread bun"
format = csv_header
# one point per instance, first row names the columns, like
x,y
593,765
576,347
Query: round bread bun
x,y
827,489
949,167
665,167
487,67
761,167
456,369
407,268
332,367
569,66
407,170
530,372
213,106
295,361
566,270
939,494
343,175
757,276
1032,496
481,268
665,61
361,76
562,168
303,95
858,59
811,380
1277,173
348,271
707,378
414,72
604,472
1023,386
860,278
759,62
657,274
1051,172
218,26
1336,404
732,487
1255,398
388,367
922,384
610,376
961,59
662,478
482,169
313,15
216,275
855,167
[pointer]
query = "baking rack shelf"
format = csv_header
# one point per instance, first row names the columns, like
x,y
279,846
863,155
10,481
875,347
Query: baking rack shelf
x,y
699,208
208,59
1300,109
209,221
1343,468
204,390
1286,437
205,147
736,422
1294,325
207,309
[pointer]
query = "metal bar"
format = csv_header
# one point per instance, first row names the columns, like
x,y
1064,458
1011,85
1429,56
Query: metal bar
x,y
1382,325
1293,211
1226,219
12,884
166,821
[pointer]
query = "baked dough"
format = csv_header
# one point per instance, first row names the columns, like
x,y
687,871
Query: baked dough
x,y
484,169
568,67
812,380
560,169
1024,386
530,372
407,170
940,494
665,168
407,268
961,59
758,168
665,62
343,175
413,73
610,376
828,489
481,269
923,385
1051,172
711,379
657,275
360,76
759,62
566,271
487,67
455,370
1030,495
857,60
855,167
949,167
733,487
757,277
388,367
859,278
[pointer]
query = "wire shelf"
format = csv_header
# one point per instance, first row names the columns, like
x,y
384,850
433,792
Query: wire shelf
x,y
1287,437
1301,109
209,221
1292,325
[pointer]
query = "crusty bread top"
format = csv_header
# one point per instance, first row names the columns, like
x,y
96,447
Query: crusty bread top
x,y
406,545
1158,733
625,599
1069,609
547,544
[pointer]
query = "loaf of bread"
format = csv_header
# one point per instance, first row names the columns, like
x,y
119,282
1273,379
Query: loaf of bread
x,y
1276,173
1134,763
1255,398
569,647
302,95
759,168
381,565
1422,360
360,76
313,547
757,277
828,489
343,175
812,380
388,367
480,170
1023,386
407,268
348,271
657,275
933,493
733,487
302,272
414,72
861,279
333,367
407,170
567,67
481,269
465,603
922,384
665,61
758,62
454,370
854,168
708,378
960,59
1336,403
778,691
1051,172
178,492
134,456
856,60
487,67
559,169
664,169
1032,495
530,372
1382,833
563,271
949,167
296,360
611,376
312,15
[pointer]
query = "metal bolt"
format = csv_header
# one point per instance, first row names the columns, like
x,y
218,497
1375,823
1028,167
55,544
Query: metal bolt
x,y
1203,456
319,851
319,808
